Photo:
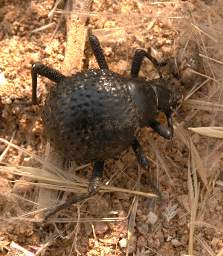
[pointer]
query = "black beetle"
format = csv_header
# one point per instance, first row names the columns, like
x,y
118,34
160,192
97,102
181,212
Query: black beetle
x,y
93,115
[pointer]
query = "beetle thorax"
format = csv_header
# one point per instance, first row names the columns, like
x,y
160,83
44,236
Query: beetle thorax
x,y
145,99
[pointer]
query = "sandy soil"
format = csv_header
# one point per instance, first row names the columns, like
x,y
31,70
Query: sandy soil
x,y
188,170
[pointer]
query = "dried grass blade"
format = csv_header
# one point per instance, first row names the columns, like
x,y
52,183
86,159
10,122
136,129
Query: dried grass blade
x,y
43,27
191,194
204,245
219,182
204,105
48,165
4,153
204,75
32,173
132,216
183,135
194,191
199,164
205,33
51,181
162,161
195,89
19,248
214,132
209,58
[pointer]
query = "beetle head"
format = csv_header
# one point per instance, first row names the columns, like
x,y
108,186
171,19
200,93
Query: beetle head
x,y
168,98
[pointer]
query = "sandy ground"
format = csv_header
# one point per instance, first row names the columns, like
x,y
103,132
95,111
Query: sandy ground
x,y
188,170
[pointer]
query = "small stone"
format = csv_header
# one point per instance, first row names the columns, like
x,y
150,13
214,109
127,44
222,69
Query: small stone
x,y
123,243
152,218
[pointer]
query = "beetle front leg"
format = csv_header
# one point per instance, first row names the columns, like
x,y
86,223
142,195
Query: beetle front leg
x,y
170,122
143,162
138,58
164,131
141,158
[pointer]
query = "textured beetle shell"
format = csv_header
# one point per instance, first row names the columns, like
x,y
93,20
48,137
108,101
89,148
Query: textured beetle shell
x,y
91,116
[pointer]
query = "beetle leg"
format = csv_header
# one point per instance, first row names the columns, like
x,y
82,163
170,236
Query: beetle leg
x,y
143,161
138,57
96,177
141,158
69,202
166,132
170,122
43,70
98,52
92,190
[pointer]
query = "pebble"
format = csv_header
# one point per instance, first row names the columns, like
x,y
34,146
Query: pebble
x,y
123,243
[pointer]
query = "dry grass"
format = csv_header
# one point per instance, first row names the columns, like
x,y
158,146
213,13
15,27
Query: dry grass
x,y
214,132
53,178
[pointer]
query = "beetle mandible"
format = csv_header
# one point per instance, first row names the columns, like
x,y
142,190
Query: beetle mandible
x,y
94,114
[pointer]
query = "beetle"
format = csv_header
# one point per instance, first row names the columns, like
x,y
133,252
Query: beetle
x,y
93,115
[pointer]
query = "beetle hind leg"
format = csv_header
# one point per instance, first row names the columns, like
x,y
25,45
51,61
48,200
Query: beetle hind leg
x,y
96,177
92,190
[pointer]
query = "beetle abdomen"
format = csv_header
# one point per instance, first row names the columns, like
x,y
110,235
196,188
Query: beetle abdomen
x,y
91,116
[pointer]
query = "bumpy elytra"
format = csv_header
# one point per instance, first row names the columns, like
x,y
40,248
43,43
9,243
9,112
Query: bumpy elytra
x,y
91,116
94,115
